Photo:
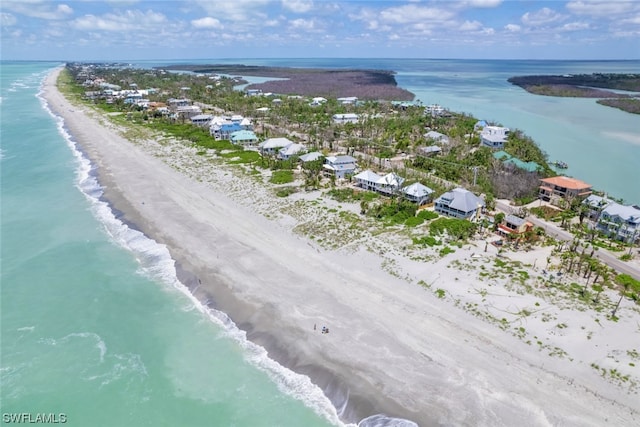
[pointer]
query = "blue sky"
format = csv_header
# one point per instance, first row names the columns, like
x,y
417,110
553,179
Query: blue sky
x,y
189,29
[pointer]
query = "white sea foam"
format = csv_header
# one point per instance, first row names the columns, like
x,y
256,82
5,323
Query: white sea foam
x,y
156,263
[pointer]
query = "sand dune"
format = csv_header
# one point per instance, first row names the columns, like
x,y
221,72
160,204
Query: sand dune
x,y
394,346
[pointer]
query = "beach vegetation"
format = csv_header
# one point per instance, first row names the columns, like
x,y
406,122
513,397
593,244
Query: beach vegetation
x,y
427,215
281,177
413,221
425,241
455,228
286,191
441,293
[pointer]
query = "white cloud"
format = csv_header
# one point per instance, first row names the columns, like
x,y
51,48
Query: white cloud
x,y
298,6
542,17
470,26
413,13
206,22
128,20
38,9
575,26
514,28
7,19
602,8
232,10
484,3
303,24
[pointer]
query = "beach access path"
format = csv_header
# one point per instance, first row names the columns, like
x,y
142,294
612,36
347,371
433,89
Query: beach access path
x,y
393,347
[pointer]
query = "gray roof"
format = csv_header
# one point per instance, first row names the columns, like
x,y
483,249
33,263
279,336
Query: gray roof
x,y
627,213
512,219
461,199
367,176
417,190
310,157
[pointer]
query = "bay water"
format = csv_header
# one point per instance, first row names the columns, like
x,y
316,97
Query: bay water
x,y
95,324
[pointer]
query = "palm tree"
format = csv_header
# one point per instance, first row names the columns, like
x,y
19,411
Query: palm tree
x,y
627,283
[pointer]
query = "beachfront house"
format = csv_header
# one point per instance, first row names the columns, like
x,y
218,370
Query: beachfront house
x,y
389,184
244,137
272,146
367,180
285,153
339,166
459,203
417,193
310,157
494,137
562,188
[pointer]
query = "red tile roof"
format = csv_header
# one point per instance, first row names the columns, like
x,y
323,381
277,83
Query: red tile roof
x,y
566,182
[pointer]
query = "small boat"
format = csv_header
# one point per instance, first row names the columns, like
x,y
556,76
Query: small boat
x,y
560,164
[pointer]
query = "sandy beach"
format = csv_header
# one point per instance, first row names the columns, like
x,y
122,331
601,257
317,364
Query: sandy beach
x,y
494,348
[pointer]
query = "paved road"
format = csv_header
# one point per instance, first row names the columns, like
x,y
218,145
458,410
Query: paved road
x,y
556,232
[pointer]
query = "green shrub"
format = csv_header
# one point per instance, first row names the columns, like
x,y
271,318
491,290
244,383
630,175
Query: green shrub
x,y
281,177
457,228
413,221
427,215
426,241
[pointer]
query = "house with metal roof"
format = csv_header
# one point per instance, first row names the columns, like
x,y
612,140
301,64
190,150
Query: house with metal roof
x,y
459,203
273,145
437,137
417,193
513,225
339,166
391,183
618,221
310,157
285,153
508,160
367,180
244,137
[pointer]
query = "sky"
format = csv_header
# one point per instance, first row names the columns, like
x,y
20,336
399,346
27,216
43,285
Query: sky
x,y
76,30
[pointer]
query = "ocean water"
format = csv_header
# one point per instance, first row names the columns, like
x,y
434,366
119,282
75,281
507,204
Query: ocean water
x,y
95,327
600,144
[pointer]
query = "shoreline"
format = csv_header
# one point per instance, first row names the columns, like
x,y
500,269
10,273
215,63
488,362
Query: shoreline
x,y
400,362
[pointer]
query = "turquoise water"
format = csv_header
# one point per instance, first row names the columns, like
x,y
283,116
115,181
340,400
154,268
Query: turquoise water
x,y
600,144
95,325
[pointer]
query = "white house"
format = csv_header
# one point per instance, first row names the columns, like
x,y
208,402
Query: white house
x,y
438,137
310,157
345,118
621,222
367,180
494,136
285,153
273,145
339,166
390,183
417,193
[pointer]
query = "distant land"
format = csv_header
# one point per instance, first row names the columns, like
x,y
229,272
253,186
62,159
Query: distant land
x,y
598,85
330,83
